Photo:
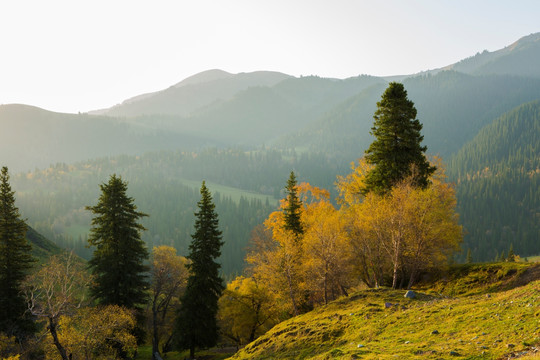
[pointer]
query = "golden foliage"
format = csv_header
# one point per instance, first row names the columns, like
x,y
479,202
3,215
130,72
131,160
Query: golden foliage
x,y
404,232
8,347
247,309
97,333
326,255
168,282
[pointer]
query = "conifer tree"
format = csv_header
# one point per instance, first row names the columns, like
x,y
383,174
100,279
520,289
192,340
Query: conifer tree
x,y
293,209
469,256
511,256
15,261
118,260
396,152
196,324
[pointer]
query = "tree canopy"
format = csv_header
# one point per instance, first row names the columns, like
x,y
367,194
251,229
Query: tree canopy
x,y
118,261
396,152
293,208
196,323
15,261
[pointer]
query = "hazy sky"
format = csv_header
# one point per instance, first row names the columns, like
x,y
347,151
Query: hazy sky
x,y
76,55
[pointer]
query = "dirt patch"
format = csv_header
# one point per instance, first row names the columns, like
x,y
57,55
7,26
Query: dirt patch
x,y
529,275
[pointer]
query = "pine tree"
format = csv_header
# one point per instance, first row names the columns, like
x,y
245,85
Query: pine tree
x,y
118,260
469,256
15,262
293,209
196,323
511,256
396,152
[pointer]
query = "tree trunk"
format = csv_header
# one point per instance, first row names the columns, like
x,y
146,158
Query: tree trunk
x,y
396,258
412,279
343,290
402,281
326,288
192,352
54,334
155,335
167,345
255,323
291,292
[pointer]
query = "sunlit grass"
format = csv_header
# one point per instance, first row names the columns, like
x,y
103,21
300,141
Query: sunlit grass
x,y
485,322
533,259
234,193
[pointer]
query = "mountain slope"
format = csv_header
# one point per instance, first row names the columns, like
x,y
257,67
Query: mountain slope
x,y
382,324
193,93
259,114
452,106
33,137
498,177
520,58
343,131
42,248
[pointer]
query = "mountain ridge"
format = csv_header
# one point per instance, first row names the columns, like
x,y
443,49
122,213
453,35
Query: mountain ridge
x,y
192,93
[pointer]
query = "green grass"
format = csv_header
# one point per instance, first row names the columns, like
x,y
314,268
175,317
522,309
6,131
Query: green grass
x,y
232,192
533,259
489,315
145,353
478,278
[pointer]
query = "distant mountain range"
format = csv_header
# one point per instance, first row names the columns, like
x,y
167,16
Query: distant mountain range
x,y
193,93
519,58
306,115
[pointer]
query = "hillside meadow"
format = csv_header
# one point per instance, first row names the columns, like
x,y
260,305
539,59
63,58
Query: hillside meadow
x,y
488,317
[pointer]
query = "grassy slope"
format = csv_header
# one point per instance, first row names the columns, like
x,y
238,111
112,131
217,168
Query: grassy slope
x,y
234,193
42,248
491,315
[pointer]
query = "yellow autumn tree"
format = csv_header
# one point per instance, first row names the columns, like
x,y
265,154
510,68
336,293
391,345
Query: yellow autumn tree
x,y
281,266
168,282
9,348
247,309
402,232
433,230
365,223
103,332
276,259
326,250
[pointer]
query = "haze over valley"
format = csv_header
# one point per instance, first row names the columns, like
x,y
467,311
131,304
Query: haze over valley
x,y
245,132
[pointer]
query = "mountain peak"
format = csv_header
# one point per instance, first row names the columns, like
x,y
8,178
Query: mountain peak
x,y
524,41
205,76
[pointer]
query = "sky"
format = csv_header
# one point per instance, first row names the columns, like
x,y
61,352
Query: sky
x,y
76,56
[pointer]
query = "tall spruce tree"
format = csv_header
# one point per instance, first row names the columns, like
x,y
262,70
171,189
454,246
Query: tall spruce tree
x,y
396,152
15,262
196,324
118,260
293,209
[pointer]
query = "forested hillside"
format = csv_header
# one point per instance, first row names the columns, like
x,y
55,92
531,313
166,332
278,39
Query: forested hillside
x,y
519,58
193,93
244,133
165,186
452,106
35,138
42,248
498,177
